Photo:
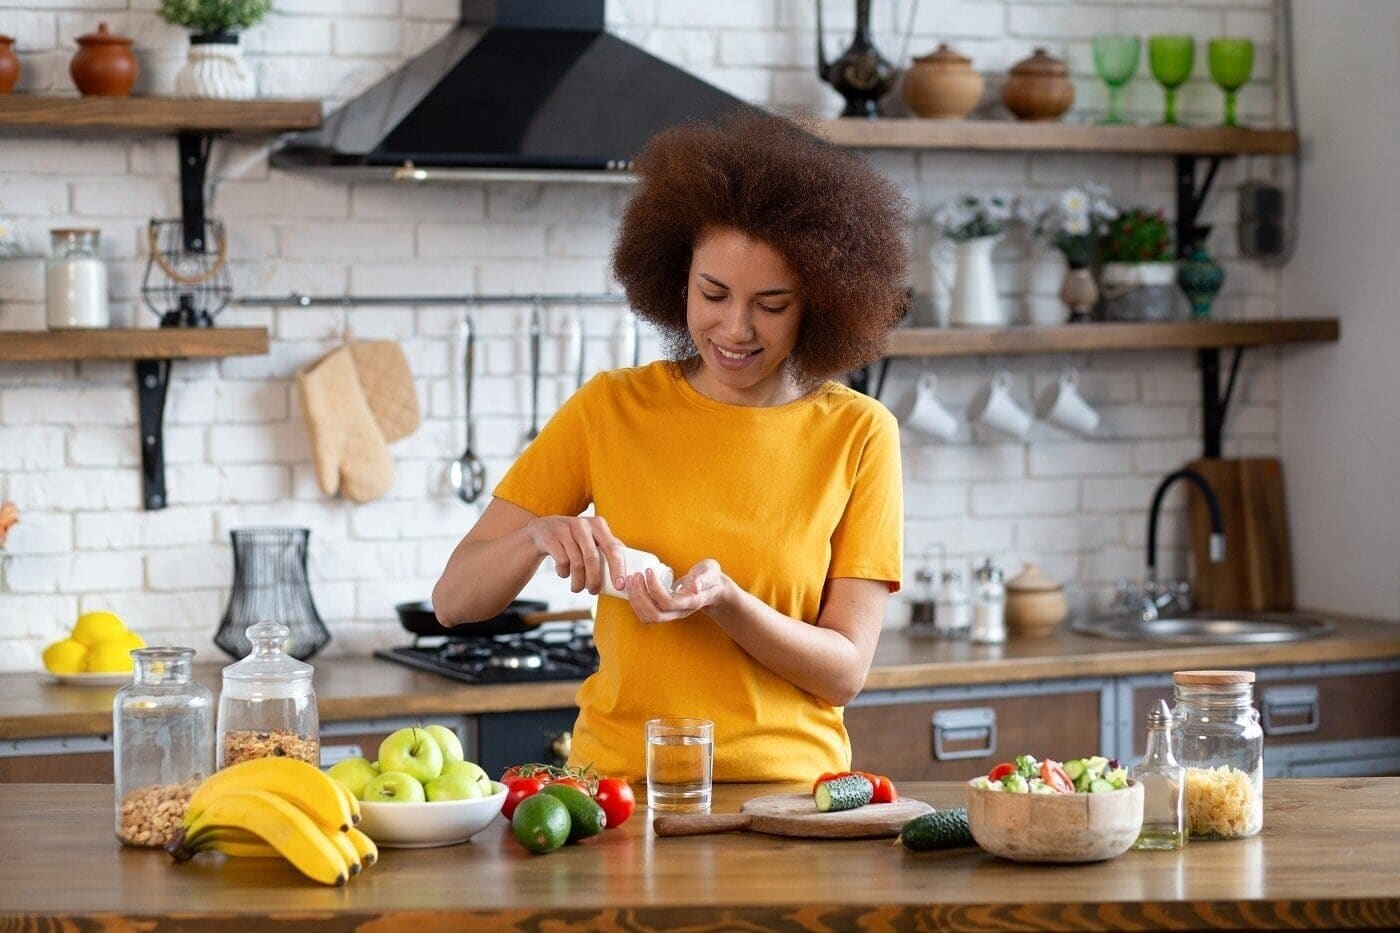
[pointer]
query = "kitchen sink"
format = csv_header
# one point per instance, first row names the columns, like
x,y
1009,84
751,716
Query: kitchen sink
x,y
1209,627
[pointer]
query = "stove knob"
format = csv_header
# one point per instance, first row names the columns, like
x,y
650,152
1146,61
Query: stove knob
x,y
562,745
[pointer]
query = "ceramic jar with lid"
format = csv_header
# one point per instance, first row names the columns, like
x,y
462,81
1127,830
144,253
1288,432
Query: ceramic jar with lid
x,y
942,85
9,65
1038,88
1035,603
104,65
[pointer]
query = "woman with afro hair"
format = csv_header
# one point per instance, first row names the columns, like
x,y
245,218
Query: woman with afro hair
x,y
772,264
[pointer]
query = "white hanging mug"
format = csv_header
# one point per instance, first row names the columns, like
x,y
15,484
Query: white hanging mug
x,y
1061,404
923,412
993,407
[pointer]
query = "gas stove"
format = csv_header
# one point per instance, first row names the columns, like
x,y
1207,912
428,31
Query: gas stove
x,y
548,653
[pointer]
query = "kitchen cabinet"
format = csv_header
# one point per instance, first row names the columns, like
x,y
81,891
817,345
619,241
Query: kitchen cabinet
x,y
76,759
1320,720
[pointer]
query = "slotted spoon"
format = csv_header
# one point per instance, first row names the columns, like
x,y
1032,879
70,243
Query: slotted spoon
x,y
468,473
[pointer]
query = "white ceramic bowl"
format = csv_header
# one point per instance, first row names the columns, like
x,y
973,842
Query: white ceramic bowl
x,y
435,823
1055,827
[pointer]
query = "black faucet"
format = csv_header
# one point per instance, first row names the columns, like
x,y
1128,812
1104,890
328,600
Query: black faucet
x,y
1217,527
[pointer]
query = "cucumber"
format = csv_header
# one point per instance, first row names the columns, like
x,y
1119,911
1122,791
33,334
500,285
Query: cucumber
x,y
1100,786
942,829
845,793
1074,768
586,818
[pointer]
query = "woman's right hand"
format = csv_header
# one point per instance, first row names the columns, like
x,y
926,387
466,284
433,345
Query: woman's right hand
x,y
583,547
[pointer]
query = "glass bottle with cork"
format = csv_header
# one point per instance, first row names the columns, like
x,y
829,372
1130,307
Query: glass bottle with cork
x,y
268,706
163,744
1219,741
1163,782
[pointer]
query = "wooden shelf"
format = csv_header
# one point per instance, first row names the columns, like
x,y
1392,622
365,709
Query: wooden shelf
x,y
1009,136
157,114
147,344
1088,338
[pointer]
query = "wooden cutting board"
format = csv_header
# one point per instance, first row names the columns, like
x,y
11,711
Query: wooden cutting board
x,y
796,815
1257,573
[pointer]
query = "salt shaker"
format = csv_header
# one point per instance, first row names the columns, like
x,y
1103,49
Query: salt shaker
x,y
988,605
1163,782
953,615
75,281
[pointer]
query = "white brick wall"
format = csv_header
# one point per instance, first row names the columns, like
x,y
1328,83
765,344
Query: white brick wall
x,y
236,448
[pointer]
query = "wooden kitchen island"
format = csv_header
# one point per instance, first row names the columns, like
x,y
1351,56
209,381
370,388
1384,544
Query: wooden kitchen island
x,y
1328,857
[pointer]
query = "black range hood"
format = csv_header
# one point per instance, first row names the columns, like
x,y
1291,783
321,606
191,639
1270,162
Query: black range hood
x,y
519,87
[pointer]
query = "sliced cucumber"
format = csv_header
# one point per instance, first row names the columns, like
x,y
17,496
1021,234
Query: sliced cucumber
x,y
1074,768
845,793
1100,786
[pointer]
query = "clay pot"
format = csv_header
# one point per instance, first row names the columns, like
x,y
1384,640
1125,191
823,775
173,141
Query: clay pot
x,y
1035,603
1038,88
942,85
103,66
9,65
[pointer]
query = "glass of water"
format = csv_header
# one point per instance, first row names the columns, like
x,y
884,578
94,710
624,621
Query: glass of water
x,y
680,764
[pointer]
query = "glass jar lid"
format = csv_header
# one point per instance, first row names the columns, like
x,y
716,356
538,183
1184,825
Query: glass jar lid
x,y
268,670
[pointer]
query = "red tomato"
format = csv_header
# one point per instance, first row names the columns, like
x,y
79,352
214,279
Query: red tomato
x,y
1054,775
537,771
573,782
884,790
519,789
828,776
615,796
1000,771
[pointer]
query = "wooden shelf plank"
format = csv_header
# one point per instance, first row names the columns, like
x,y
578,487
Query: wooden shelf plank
x,y
1108,337
1035,136
140,344
157,114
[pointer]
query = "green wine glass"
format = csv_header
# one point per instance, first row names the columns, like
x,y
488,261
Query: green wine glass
x,y
1116,61
1171,58
1231,62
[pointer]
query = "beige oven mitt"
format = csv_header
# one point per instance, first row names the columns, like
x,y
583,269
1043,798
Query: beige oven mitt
x,y
348,447
388,387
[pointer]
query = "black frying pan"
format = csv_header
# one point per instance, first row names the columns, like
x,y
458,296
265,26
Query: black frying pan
x,y
520,616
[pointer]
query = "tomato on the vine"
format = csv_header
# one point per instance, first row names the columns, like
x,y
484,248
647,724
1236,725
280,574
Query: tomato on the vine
x,y
615,796
574,782
518,790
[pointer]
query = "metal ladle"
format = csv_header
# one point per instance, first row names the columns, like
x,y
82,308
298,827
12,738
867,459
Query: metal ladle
x,y
467,473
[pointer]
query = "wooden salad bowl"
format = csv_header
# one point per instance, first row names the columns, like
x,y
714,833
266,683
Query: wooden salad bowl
x,y
1055,827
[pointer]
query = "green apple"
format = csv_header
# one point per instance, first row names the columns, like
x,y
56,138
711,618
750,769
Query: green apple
x,y
394,787
447,741
471,769
354,773
453,785
412,751
375,765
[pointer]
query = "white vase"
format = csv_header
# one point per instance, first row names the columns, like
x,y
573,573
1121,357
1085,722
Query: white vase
x,y
974,302
214,69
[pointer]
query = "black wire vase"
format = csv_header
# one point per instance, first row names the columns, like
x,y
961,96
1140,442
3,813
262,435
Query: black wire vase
x,y
270,584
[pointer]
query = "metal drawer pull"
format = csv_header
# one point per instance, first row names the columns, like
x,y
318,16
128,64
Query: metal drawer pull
x,y
963,725
1299,705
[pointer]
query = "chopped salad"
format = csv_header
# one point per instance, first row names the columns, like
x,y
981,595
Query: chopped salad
x,y
1026,775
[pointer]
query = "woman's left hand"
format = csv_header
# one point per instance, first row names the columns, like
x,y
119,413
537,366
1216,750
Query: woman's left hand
x,y
699,587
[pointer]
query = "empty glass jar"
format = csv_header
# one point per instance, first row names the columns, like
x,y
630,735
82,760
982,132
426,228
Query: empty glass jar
x,y
1218,740
163,744
268,706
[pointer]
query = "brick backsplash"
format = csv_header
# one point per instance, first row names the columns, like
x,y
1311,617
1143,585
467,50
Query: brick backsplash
x,y
236,447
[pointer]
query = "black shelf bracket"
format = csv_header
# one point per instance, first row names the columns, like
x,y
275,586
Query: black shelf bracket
x,y
194,161
1214,402
152,384
1190,199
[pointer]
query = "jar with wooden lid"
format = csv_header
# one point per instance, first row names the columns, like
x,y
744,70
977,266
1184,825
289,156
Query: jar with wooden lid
x,y
1035,603
268,707
1219,741
942,85
1038,88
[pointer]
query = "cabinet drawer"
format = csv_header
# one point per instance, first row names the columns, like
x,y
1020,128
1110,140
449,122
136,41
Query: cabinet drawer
x,y
1299,710
958,739
72,768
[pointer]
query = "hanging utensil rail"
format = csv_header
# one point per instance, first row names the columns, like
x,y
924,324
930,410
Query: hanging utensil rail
x,y
306,301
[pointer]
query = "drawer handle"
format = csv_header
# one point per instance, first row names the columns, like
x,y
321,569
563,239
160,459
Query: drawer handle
x,y
1298,706
334,754
964,725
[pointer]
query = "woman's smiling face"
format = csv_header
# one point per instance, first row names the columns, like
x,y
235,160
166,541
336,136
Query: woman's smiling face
x,y
744,311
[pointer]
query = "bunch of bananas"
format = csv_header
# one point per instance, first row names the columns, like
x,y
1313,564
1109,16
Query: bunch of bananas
x,y
278,807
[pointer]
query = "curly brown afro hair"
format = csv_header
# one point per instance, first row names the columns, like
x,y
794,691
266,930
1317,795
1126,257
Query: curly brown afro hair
x,y
839,224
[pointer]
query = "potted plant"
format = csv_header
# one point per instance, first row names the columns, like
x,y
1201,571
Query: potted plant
x,y
1138,273
214,67
973,223
1072,224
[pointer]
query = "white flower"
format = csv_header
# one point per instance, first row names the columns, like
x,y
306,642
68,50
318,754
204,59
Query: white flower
x,y
1077,224
1074,203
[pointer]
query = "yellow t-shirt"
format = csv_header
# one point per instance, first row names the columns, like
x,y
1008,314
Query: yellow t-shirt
x,y
783,497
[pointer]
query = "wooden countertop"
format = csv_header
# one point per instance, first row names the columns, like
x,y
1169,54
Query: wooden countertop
x,y
1328,856
33,706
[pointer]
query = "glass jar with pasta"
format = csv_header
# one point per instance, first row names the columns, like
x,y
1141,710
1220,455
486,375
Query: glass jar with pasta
x,y
1218,740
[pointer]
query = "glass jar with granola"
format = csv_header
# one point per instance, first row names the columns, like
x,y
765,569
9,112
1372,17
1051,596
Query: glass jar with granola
x,y
268,706
163,744
1219,741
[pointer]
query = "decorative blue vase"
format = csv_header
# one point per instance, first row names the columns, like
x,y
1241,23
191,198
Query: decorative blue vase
x,y
1199,276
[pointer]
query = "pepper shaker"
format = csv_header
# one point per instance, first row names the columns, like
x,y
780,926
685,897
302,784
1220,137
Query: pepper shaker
x,y
988,605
